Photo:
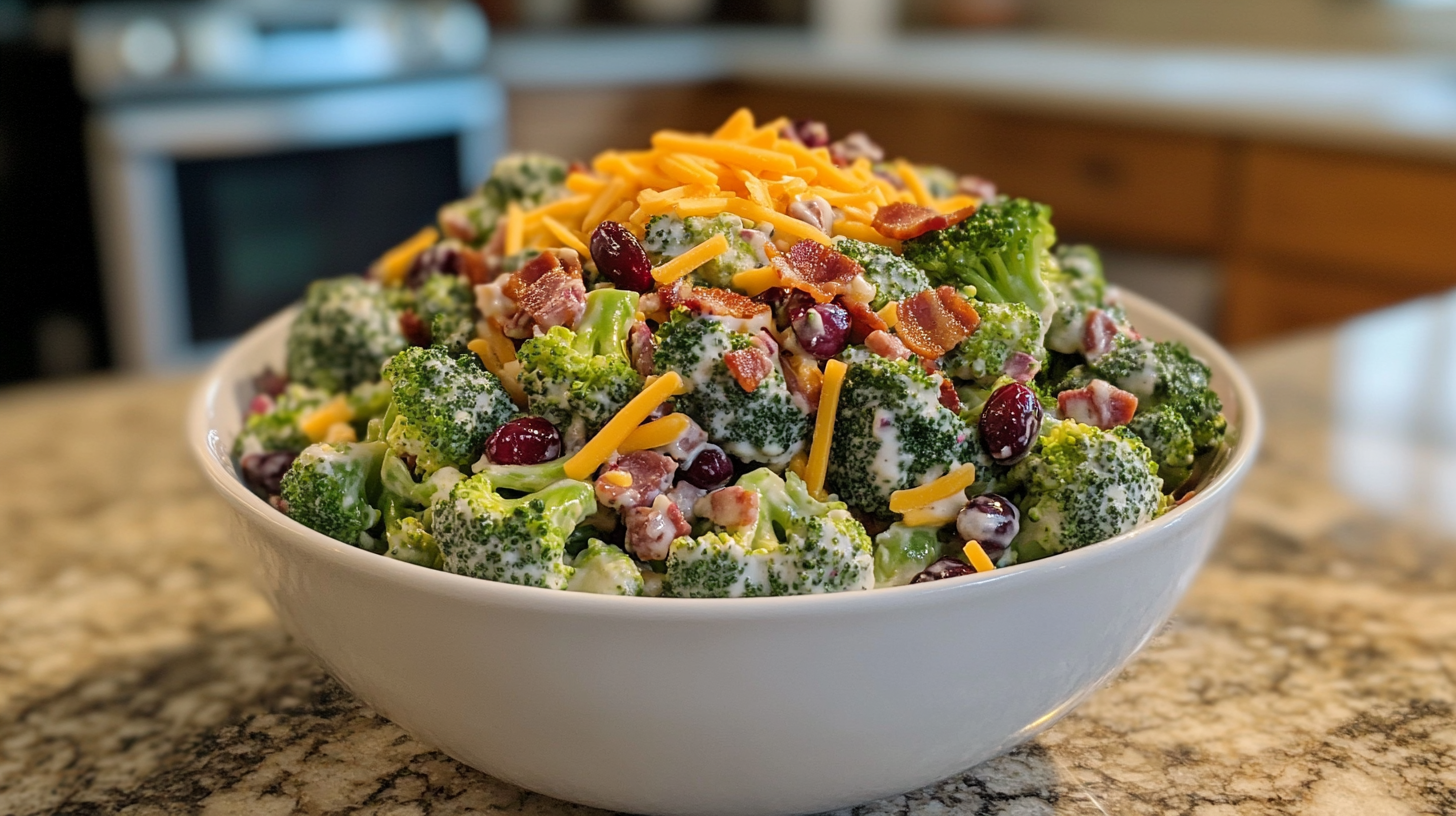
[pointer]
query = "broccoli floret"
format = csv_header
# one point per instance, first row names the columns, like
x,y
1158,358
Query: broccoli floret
x,y
894,277
444,407
446,303
345,332
583,376
903,552
1005,328
1078,286
605,570
669,236
1004,250
408,540
1081,485
529,179
762,426
483,534
1170,440
891,432
277,429
332,489
796,546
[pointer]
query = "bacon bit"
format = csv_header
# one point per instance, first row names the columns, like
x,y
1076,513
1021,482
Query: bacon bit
x,y
862,320
933,322
1098,334
749,367
887,345
1020,366
538,267
415,332
651,473
1100,404
804,379
732,508
641,346
707,300
555,299
651,530
948,396
817,270
903,221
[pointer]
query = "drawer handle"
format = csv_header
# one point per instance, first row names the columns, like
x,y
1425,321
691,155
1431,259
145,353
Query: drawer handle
x,y
1101,171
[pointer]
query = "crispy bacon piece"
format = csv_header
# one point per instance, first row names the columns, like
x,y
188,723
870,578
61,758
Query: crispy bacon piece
x,y
415,332
862,320
707,300
641,346
731,507
887,345
651,530
749,367
904,221
948,396
817,270
1098,334
1020,366
549,288
651,474
449,257
1100,403
934,321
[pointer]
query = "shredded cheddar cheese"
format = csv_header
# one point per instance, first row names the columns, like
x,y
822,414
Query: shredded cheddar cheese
x,y
818,465
608,439
756,281
946,486
340,432
620,478
316,423
393,265
655,434
565,236
515,229
928,517
906,171
690,260
978,557
890,314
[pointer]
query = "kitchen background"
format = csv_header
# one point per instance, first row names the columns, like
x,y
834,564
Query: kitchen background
x,y
171,172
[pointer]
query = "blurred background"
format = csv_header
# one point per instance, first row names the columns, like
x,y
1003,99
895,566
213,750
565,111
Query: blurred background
x,y
172,172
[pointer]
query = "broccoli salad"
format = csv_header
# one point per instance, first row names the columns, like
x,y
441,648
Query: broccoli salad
x,y
751,362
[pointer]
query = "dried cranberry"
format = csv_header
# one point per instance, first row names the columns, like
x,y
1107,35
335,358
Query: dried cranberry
x,y
808,132
947,567
260,404
822,329
415,332
990,519
709,469
1010,422
270,382
796,302
263,472
524,441
618,256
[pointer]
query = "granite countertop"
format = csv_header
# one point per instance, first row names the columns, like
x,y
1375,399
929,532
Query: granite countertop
x,y
1384,103
1310,670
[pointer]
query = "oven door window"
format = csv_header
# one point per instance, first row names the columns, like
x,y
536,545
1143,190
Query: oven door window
x,y
257,229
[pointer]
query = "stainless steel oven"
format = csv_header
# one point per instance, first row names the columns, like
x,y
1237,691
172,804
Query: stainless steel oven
x,y
240,150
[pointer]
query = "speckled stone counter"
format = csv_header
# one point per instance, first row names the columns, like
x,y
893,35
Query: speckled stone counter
x,y
1311,669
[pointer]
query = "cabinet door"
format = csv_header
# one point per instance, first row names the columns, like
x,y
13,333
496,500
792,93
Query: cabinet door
x,y
1137,187
1266,296
1390,220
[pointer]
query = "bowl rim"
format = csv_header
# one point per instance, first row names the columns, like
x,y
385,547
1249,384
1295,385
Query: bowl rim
x,y
202,439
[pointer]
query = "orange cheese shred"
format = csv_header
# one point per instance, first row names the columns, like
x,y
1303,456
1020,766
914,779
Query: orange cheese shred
x,y
946,486
818,465
655,434
608,439
690,260
978,557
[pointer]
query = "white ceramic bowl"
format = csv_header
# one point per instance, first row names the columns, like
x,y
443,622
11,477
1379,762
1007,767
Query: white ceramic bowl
x,y
752,706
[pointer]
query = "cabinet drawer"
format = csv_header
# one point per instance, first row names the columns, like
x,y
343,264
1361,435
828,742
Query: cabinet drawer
x,y
1109,183
1395,220
1264,297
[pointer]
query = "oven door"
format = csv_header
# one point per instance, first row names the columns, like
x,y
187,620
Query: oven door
x,y
215,213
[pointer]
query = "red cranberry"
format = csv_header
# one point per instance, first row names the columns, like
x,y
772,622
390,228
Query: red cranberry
x,y
415,332
270,382
822,329
524,441
990,519
709,469
618,256
1010,422
263,472
947,567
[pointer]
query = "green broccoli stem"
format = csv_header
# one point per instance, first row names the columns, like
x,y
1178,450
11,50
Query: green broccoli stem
x,y
562,504
782,504
603,327
525,478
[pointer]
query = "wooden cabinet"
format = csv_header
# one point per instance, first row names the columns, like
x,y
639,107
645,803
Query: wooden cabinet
x,y
1123,185
1322,235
